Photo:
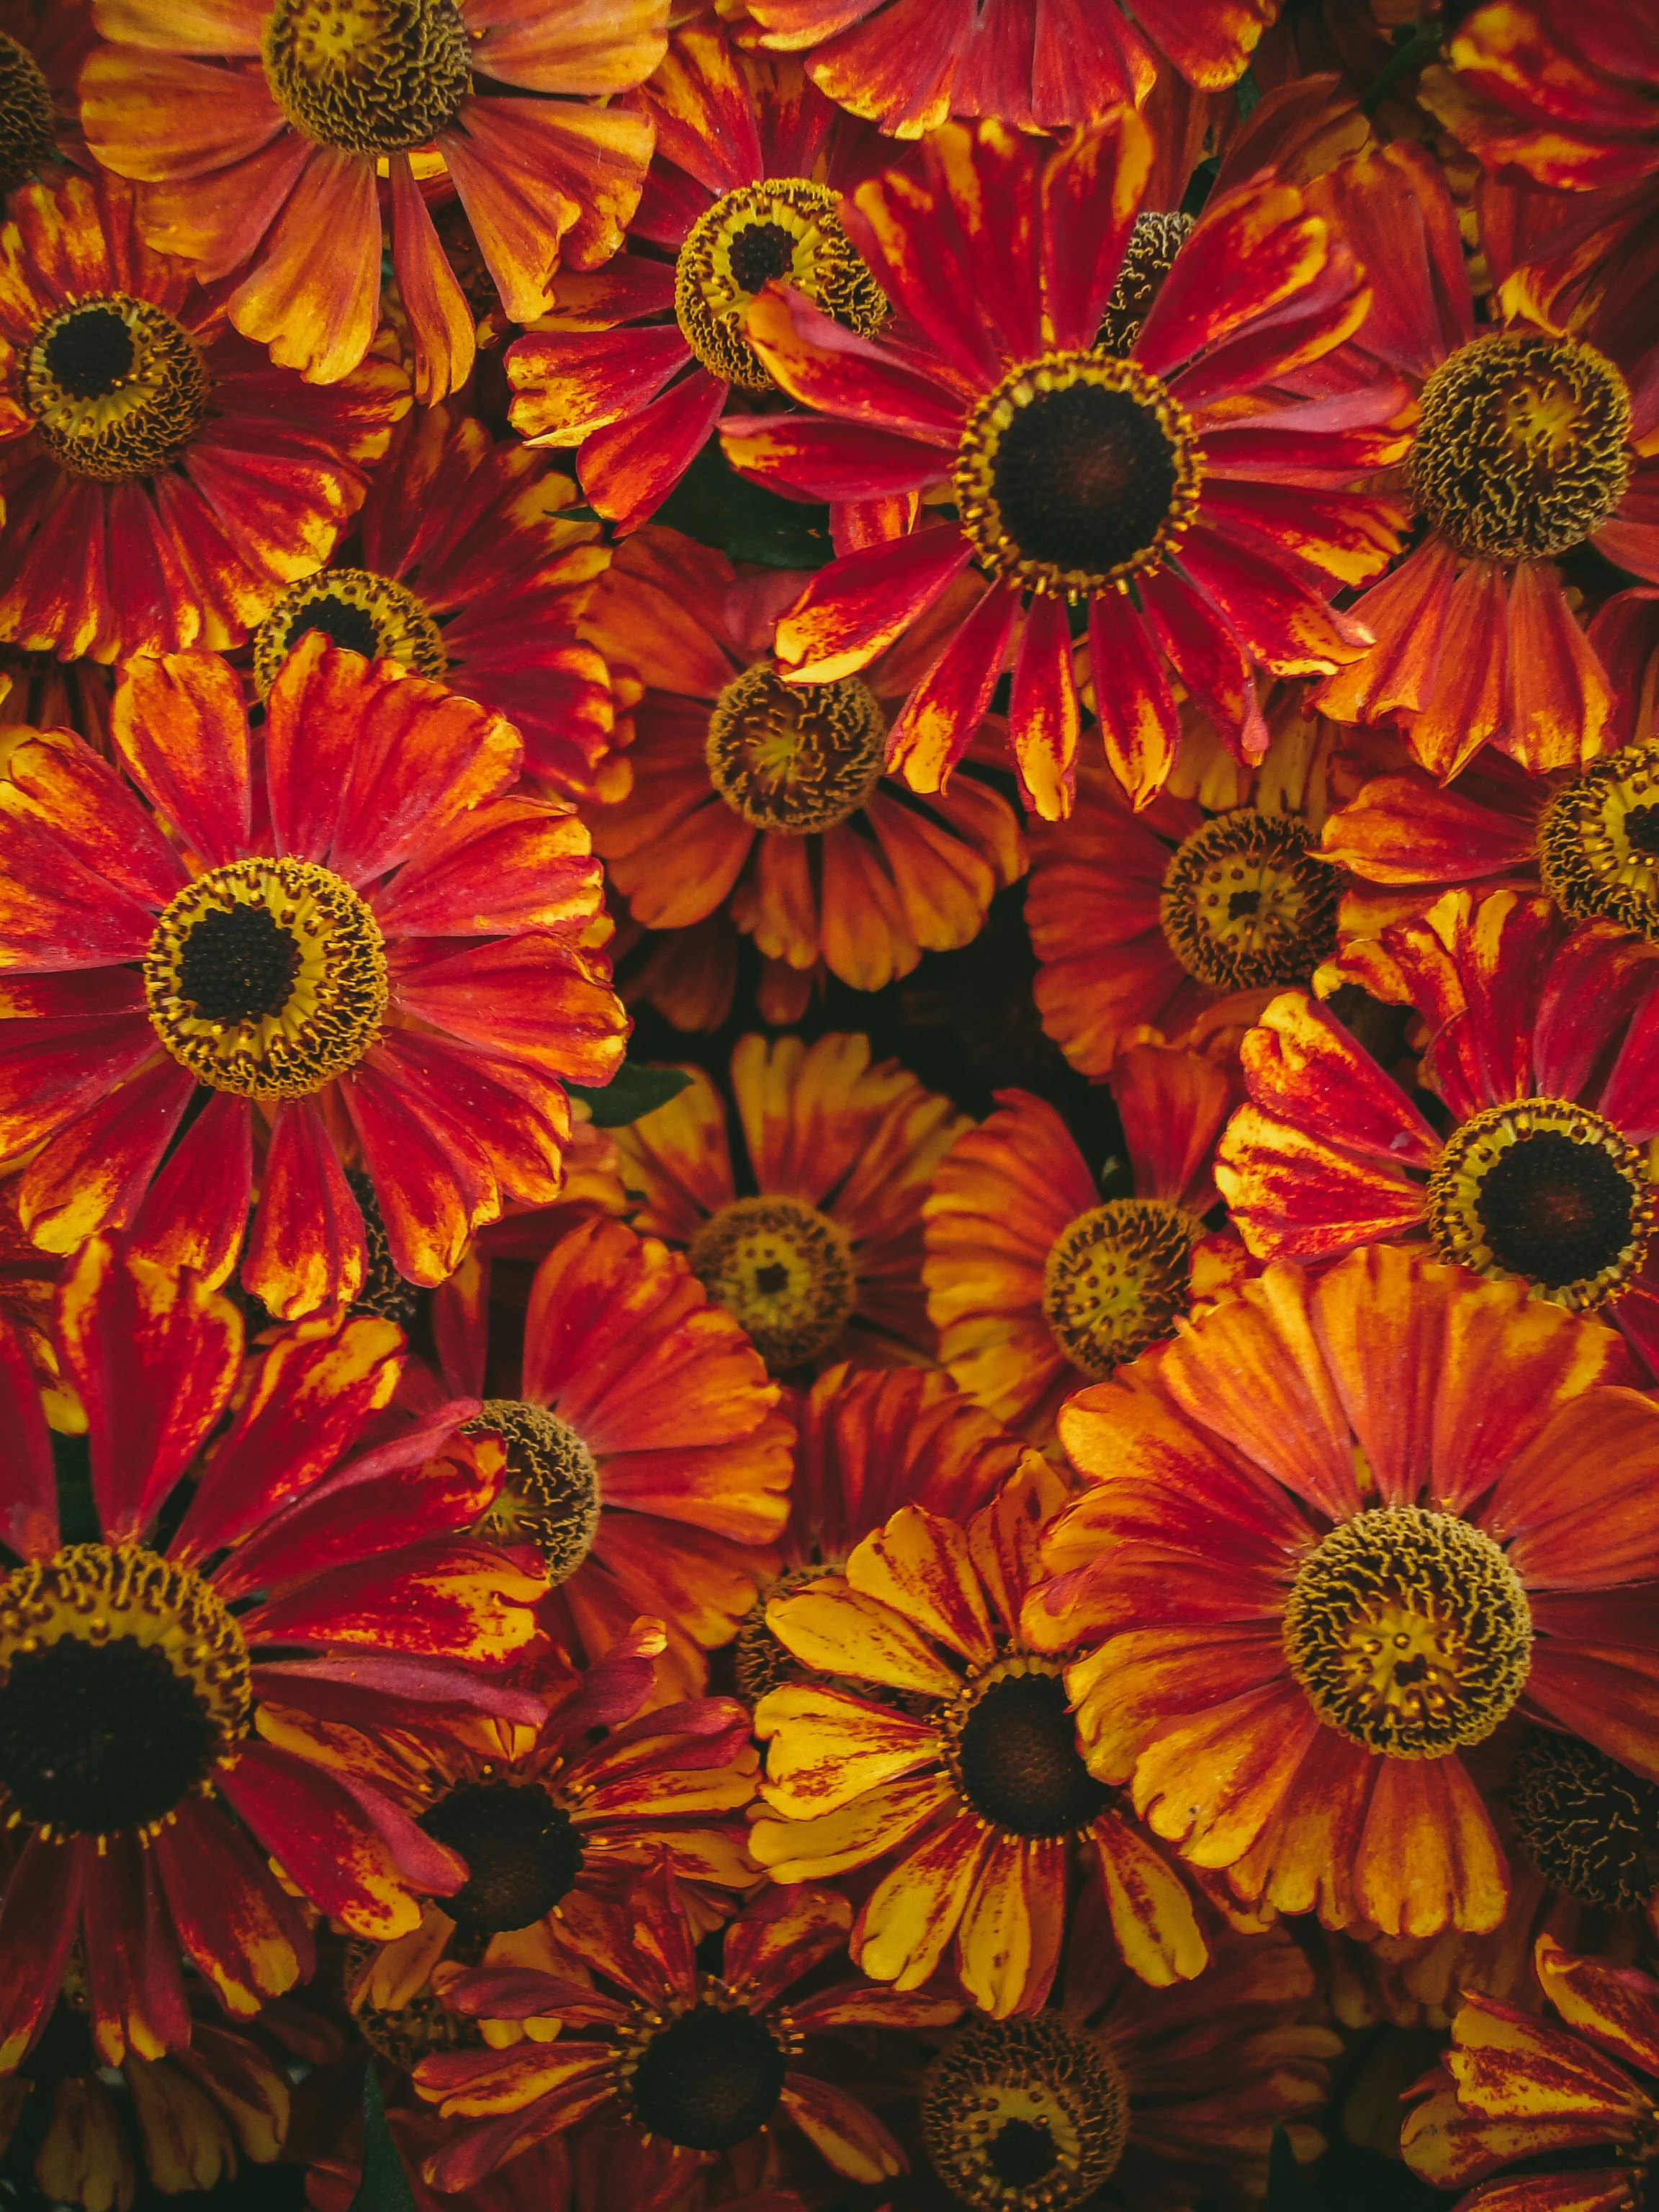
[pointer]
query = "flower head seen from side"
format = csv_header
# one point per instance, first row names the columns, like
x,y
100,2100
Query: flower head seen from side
x,y
365,954
1035,1280
1186,498
967,1790
647,1460
271,139
1542,1053
636,363
703,2062
163,483
1305,1602
821,1260
135,1665
463,565
766,801
1567,2101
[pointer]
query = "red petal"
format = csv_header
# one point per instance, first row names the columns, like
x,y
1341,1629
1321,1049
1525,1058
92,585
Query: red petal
x,y
1043,715
135,1989
1132,696
307,1249
29,1520
1209,657
195,1212
181,728
1091,191
38,1915
629,469
440,321
857,607
246,1936
941,717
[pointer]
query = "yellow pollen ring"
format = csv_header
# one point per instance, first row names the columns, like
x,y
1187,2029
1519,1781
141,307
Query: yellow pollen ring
x,y
1598,841
116,388
1116,1280
370,76
550,1497
783,1270
365,613
794,759
1247,903
1024,2115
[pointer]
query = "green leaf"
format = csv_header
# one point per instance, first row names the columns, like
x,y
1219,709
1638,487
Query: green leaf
x,y
1248,92
635,1090
385,2186
717,506
1288,2189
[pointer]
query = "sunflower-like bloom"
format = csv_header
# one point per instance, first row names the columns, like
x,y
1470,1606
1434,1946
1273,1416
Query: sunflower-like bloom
x,y
1568,2100
1433,1506
363,949
271,138
461,567
766,801
910,67
704,2062
647,1460
1186,494
1035,1280
41,50
135,1666
163,484
635,364
1529,443
968,1787
824,1261
1545,1054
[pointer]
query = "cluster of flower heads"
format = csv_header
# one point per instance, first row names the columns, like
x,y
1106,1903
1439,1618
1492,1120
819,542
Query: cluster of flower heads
x,y
1032,1584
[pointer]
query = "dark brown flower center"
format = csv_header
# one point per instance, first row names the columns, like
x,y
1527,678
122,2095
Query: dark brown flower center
x,y
1024,2115
363,612
384,1291
1590,1825
28,137
785,227
1246,902
1116,1280
550,1498
1012,1743
1153,244
710,2079
794,759
1598,841
783,1270
370,76
116,388
523,1854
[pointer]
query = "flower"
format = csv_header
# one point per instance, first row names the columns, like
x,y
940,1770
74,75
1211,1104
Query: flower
x,y
365,951
41,50
909,67
1514,2090
767,800
270,138
136,1663
703,2062
968,1788
822,1262
461,567
865,1443
1542,1053
1303,1600
1527,444
1186,495
645,1459
163,484
742,188
1033,1278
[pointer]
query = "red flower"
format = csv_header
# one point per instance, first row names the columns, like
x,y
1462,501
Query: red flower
x,y
135,1666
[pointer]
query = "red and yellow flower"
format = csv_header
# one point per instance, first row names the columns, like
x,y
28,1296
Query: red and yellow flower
x,y
1430,1506
1034,1279
135,1665
822,1260
163,484
461,567
1189,494
271,141
358,949
1543,1052
967,1788
702,2061
635,364
766,801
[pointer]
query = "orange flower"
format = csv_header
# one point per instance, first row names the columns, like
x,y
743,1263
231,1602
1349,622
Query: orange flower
x,y
1032,1281
822,1262
1307,1594
767,800
162,481
271,138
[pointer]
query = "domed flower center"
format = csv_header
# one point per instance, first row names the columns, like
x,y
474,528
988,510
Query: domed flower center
x,y
1153,244
710,2079
27,135
550,1498
1077,472
1012,1744
523,1854
392,1297
365,613
1247,903
783,1270
1598,841
266,978
1590,1825
1521,447
411,2031
116,388
759,1662
370,76
784,227
1547,1191
1115,1280
1024,2115
1410,1632
794,760
123,1682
